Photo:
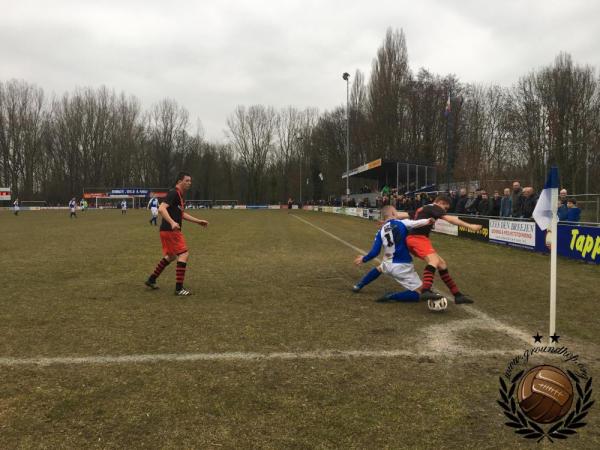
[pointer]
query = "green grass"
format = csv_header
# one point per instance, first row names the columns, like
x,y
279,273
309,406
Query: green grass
x,y
263,282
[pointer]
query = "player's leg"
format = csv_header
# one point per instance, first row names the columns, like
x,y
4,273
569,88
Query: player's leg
x,y
433,261
182,259
459,297
371,276
405,275
420,246
162,264
169,255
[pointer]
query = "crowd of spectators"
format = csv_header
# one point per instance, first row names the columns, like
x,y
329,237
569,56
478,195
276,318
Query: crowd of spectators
x,y
518,202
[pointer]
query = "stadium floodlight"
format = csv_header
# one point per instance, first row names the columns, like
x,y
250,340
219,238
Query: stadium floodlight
x,y
299,139
346,77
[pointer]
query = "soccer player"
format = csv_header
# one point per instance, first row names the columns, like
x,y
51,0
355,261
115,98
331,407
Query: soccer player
x,y
73,207
173,243
16,207
397,261
124,207
420,245
153,206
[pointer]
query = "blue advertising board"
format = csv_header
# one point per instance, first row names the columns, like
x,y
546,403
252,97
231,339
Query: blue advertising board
x,y
574,241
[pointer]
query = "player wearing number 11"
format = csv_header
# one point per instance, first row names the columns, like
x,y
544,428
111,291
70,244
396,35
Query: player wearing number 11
x,y
173,242
397,261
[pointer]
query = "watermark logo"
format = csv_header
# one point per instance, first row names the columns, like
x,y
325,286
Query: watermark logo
x,y
548,400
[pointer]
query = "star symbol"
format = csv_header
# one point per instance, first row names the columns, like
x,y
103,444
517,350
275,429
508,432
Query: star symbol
x,y
554,337
537,337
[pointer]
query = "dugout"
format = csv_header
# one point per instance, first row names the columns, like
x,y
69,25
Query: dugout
x,y
406,177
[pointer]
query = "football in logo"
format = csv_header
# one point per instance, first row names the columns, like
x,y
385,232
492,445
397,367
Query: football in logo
x,y
545,394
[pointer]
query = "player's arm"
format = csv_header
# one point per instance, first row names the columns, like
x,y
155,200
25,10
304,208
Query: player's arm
x,y
202,223
461,223
401,215
372,254
409,224
162,210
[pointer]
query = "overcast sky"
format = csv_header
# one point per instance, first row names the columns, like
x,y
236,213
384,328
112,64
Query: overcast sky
x,y
212,55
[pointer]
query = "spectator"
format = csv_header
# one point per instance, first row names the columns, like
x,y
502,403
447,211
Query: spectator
x,y
453,201
517,199
469,208
475,205
506,204
529,199
574,213
461,202
484,206
385,192
495,209
563,209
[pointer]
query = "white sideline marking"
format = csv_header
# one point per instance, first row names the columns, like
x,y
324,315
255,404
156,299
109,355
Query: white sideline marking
x,y
241,356
444,334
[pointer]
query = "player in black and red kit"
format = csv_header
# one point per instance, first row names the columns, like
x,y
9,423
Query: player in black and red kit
x,y
173,242
419,244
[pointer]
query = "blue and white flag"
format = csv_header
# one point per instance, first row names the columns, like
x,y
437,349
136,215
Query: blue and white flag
x,y
543,209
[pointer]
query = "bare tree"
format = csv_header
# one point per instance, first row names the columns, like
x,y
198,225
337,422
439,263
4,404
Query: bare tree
x,y
251,133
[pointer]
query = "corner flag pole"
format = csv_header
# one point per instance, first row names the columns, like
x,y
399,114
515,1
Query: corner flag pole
x,y
553,252
546,218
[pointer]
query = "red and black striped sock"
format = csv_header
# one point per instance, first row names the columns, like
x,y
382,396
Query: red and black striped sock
x,y
180,275
159,268
428,275
446,278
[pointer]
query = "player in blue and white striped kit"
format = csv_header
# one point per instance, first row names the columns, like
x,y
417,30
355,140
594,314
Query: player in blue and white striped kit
x,y
397,261
153,206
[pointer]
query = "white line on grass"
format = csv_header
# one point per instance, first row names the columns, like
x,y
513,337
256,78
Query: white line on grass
x,y
243,356
484,322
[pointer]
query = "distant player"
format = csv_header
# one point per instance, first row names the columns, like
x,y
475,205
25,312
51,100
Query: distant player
x,y
173,242
16,207
420,245
73,208
397,261
123,207
290,204
153,207
83,204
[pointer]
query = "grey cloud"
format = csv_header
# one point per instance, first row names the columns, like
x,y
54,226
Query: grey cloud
x,y
213,55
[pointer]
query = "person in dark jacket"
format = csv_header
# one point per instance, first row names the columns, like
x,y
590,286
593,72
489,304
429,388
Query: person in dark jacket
x,y
528,202
495,209
574,213
485,205
461,202
470,204
475,205
517,199
453,200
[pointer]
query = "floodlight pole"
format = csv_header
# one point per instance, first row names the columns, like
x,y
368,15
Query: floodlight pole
x,y
346,76
299,140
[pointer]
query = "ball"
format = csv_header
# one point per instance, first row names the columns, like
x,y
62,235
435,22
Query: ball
x,y
545,394
437,305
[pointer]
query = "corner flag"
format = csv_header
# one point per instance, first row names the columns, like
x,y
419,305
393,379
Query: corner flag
x,y
545,209
545,216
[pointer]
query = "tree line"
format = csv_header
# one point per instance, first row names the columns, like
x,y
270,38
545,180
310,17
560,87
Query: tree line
x,y
53,148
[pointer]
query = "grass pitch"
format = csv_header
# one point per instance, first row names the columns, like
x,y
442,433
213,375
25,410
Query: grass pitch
x,y
272,305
